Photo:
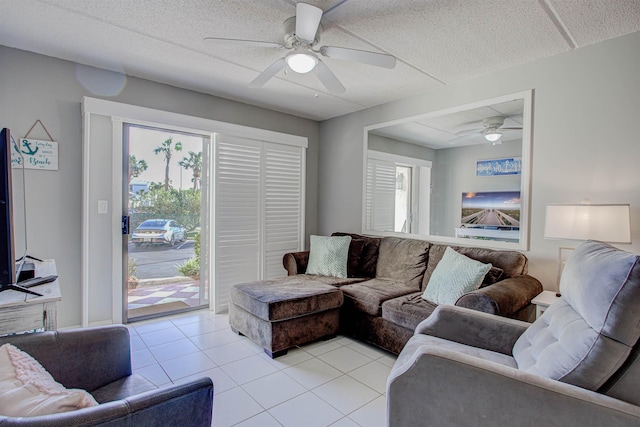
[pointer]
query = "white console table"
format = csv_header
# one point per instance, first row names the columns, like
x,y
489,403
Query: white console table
x,y
20,312
506,235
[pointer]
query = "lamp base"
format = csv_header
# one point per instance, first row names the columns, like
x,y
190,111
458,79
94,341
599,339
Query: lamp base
x,y
563,255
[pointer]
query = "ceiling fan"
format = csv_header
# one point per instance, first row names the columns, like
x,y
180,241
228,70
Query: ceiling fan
x,y
301,36
493,128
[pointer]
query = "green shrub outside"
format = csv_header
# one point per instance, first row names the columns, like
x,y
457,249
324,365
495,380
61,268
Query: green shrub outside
x,y
191,267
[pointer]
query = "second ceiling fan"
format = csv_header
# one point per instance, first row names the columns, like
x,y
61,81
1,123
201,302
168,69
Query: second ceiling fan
x,y
301,36
492,130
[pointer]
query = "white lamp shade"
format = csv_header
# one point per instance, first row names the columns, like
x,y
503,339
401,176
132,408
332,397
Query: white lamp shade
x,y
606,223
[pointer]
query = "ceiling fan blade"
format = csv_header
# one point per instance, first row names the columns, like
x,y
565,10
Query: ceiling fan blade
x,y
510,128
307,21
328,79
465,135
470,131
362,56
267,74
257,43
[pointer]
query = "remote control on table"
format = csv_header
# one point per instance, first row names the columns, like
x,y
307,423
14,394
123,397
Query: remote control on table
x,y
35,281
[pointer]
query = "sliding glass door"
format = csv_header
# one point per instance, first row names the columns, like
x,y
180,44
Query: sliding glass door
x,y
165,196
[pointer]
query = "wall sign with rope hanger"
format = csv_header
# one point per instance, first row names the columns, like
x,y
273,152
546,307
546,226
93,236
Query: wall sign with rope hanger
x,y
36,153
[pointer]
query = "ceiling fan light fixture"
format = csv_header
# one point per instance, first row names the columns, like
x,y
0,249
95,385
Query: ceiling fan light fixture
x,y
301,61
492,135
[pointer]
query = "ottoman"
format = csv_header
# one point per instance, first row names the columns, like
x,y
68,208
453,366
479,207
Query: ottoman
x,y
282,313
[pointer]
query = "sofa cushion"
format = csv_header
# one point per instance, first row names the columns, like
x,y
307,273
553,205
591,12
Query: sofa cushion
x,y
408,310
584,338
285,298
494,275
403,260
355,254
454,276
511,262
327,280
369,255
328,255
368,296
28,390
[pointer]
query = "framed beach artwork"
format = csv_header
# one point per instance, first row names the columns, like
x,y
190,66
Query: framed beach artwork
x,y
497,167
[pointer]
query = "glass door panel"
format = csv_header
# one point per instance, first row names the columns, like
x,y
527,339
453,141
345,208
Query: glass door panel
x,y
166,195
403,199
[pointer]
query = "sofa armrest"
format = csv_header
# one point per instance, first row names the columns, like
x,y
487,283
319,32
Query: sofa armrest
x,y
80,358
295,262
473,328
187,404
463,390
503,298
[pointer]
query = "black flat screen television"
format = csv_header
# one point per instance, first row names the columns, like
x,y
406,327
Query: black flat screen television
x,y
9,271
7,245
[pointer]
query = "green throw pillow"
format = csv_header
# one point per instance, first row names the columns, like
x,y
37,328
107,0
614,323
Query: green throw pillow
x,y
454,276
328,256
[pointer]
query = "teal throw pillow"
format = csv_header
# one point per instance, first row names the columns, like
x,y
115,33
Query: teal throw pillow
x,y
328,256
454,276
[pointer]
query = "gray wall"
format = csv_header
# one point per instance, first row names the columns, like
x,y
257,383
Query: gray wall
x,y
454,172
34,87
586,139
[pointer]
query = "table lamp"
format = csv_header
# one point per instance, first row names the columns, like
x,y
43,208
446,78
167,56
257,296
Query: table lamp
x,y
605,223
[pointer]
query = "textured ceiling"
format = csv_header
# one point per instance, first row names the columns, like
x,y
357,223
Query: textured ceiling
x,y
458,129
436,42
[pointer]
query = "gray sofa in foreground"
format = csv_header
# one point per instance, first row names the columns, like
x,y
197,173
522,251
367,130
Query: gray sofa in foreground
x,y
98,360
379,302
577,365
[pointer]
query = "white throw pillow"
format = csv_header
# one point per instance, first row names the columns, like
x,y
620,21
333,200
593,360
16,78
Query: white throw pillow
x,y
28,390
328,256
454,276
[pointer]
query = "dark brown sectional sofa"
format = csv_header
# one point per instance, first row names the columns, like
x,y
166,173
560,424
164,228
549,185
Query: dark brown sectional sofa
x,y
387,276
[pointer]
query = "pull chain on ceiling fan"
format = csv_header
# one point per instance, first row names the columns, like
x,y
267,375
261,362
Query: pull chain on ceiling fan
x,y
301,35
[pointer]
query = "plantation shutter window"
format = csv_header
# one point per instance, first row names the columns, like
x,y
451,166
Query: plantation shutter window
x,y
397,194
259,210
381,194
283,207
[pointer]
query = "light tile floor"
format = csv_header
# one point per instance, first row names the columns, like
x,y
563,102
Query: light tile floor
x,y
339,382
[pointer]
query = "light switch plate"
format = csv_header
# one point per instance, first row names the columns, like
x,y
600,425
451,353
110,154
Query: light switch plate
x,y
103,206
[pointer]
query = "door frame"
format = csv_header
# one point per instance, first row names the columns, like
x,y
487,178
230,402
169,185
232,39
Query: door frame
x,y
96,145
205,207
119,168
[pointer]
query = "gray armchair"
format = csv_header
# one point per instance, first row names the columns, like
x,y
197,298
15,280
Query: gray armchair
x,y
578,364
98,360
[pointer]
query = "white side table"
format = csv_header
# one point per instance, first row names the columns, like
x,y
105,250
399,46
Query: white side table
x,y
543,300
21,312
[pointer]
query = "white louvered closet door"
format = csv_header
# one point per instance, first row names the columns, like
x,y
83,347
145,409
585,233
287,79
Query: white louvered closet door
x,y
284,205
237,215
259,215
381,195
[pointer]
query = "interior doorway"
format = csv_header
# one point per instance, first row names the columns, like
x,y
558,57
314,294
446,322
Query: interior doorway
x,y
165,198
